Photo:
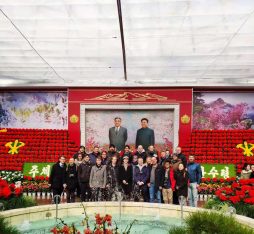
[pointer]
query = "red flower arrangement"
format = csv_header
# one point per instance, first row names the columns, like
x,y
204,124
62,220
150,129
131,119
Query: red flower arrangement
x,y
8,190
41,146
65,230
102,226
37,184
219,146
210,186
242,191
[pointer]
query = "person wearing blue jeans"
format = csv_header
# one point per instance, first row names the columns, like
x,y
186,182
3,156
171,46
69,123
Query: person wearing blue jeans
x,y
156,181
195,175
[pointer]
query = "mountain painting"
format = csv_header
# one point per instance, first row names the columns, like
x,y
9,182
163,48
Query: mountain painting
x,y
228,110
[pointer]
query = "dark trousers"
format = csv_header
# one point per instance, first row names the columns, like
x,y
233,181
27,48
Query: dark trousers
x,y
85,191
57,191
141,193
78,190
175,198
127,191
70,195
98,194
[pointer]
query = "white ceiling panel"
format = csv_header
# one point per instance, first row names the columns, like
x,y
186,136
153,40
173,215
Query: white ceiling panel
x,y
167,42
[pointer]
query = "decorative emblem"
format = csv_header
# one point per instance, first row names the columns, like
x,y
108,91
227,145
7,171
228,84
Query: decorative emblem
x,y
185,119
247,148
14,146
129,96
74,119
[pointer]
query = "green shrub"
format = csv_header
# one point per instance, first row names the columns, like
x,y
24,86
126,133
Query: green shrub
x,y
211,223
18,202
177,230
214,203
6,228
241,208
245,209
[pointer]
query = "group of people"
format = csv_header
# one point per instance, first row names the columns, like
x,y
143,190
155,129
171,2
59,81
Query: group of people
x,y
142,175
119,173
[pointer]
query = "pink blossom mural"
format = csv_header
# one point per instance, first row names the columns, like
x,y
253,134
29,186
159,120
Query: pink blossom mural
x,y
216,110
98,123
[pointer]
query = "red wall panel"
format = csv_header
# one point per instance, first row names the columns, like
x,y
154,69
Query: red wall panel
x,y
116,96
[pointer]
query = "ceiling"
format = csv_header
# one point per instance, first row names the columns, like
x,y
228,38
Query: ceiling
x,y
167,43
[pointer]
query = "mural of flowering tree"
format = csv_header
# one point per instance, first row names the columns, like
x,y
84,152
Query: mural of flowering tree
x,y
223,110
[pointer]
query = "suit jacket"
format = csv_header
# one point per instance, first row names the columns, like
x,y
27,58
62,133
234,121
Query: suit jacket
x,y
118,139
145,137
58,176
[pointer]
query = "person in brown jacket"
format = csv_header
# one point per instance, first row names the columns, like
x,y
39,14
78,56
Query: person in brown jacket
x,y
175,163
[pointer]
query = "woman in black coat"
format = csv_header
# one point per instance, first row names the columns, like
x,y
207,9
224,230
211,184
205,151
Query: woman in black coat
x,y
112,186
71,180
125,177
182,180
57,179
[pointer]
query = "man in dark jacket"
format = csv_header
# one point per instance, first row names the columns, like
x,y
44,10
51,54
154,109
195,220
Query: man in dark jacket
x,y
84,171
94,155
156,180
163,158
71,180
141,176
152,151
145,135
195,175
112,152
57,179
181,156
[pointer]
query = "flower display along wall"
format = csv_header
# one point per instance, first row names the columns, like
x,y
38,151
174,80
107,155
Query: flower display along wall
x,y
44,110
228,110
98,123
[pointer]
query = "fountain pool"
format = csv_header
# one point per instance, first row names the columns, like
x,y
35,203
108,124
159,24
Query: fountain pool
x,y
143,224
152,217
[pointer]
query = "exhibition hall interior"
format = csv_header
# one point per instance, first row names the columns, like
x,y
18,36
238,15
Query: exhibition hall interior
x,y
126,116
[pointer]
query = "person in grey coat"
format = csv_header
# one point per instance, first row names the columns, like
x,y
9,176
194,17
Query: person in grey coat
x,y
98,179
118,135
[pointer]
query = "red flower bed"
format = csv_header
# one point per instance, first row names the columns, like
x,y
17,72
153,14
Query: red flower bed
x,y
210,186
219,146
41,145
8,190
241,191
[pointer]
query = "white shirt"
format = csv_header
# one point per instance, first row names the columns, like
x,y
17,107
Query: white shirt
x,y
117,129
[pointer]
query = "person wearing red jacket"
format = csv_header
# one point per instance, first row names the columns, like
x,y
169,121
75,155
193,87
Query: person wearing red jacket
x,y
169,183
